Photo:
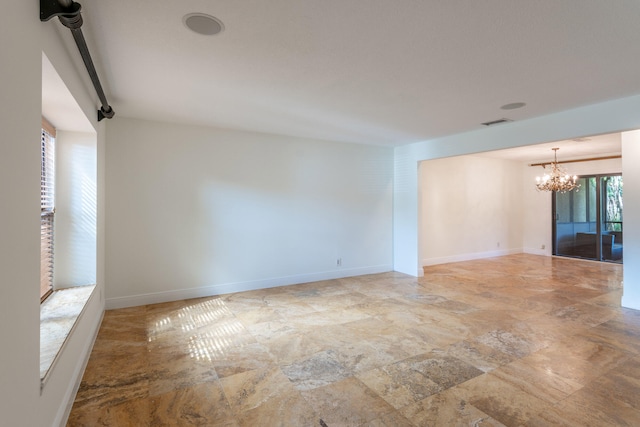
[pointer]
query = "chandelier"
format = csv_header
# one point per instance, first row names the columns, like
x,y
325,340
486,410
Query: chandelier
x,y
558,179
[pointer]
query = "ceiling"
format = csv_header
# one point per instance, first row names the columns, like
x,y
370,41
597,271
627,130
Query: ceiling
x,y
375,72
573,149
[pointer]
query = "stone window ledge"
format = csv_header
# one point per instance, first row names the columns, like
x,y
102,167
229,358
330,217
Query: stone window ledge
x,y
58,316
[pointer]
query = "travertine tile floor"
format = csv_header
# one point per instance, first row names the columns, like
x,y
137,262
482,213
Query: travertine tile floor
x,y
516,340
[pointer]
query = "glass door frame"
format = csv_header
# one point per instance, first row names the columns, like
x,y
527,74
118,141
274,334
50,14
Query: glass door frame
x,y
600,205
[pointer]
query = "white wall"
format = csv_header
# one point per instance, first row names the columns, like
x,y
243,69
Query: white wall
x,y
22,40
75,219
631,179
461,219
471,207
406,210
20,65
537,231
196,211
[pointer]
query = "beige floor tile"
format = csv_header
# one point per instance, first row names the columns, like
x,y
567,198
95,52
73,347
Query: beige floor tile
x,y
251,389
449,408
611,334
577,361
585,408
258,315
399,388
479,355
200,405
134,412
418,377
289,348
500,400
366,355
533,380
513,340
347,403
289,409
126,325
316,371
242,359
391,419
512,344
621,383
115,375
266,331
315,321
585,314
340,301
170,372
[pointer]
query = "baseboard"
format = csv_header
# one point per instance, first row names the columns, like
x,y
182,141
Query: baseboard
x,y
226,288
469,256
536,251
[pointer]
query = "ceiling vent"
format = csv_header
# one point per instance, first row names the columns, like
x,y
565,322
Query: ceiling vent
x,y
497,122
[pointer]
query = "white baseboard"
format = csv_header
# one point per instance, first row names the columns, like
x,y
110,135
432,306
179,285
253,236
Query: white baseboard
x,y
536,251
469,256
226,288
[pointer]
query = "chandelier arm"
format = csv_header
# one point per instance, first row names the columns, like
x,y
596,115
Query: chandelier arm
x,y
558,180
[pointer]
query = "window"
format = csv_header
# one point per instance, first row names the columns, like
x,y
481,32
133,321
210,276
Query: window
x,y
47,208
613,203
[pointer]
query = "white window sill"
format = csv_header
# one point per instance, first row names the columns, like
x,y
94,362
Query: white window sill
x,y
58,315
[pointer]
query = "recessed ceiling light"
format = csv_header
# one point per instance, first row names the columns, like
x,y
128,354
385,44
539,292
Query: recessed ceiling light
x,y
203,24
513,106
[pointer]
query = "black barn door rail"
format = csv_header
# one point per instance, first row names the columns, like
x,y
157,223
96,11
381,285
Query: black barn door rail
x,y
69,14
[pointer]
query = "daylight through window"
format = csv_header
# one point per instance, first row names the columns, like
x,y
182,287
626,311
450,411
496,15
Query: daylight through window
x,y
47,208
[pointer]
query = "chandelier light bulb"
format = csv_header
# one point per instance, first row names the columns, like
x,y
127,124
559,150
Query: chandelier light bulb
x,y
558,180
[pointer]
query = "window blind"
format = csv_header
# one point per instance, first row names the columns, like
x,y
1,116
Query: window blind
x,y
47,208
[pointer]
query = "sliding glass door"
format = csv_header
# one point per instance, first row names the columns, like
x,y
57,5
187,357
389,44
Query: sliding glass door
x,y
587,223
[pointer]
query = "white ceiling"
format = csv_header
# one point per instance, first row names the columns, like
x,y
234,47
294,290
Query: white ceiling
x,y
579,148
375,71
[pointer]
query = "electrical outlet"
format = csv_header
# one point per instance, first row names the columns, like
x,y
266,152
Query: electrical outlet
x,y
542,246
498,244
339,262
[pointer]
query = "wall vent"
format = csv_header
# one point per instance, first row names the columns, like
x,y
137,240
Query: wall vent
x,y
496,122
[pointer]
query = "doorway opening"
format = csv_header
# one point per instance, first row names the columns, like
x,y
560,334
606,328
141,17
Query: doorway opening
x,y
587,223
